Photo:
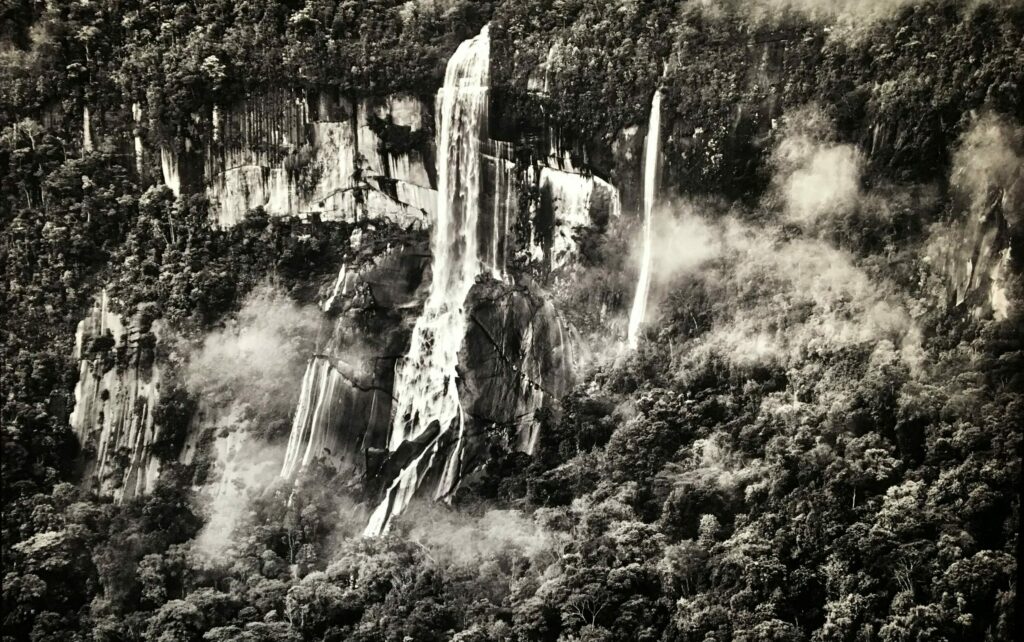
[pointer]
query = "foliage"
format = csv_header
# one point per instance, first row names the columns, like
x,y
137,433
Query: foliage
x,y
833,480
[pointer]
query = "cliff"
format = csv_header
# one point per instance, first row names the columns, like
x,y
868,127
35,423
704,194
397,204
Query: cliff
x,y
320,156
625,320
117,392
544,193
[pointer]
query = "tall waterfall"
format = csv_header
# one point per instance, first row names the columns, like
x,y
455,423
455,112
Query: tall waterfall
x,y
651,152
425,388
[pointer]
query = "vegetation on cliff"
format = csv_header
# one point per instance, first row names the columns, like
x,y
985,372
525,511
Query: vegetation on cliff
x,y
818,439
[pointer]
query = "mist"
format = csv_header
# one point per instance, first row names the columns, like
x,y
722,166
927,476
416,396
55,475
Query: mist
x,y
463,538
815,179
711,463
258,357
682,241
987,178
246,377
245,467
778,285
779,300
988,163
848,12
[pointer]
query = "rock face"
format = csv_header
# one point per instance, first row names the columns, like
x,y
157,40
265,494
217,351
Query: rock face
x,y
344,407
334,158
486,351
511,220
117,391
974,256
514,355
569,203
374,158
972,251
518,358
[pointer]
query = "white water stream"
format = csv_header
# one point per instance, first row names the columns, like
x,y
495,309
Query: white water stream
x,y
643,286
425,380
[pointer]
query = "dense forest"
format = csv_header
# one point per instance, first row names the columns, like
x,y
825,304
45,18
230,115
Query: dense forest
x,y
818,436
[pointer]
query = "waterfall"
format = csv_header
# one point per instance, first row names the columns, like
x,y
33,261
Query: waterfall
x,y
569,201
139,149
321,386
340,288
86,129
170,169
494,231
651,149
322,397
426,388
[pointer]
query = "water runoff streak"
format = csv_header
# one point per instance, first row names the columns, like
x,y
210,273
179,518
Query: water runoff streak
x,y
643,286
426,394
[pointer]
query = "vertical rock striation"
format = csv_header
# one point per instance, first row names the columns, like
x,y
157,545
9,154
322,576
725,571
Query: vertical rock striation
x,y
344,407
333,159
117,391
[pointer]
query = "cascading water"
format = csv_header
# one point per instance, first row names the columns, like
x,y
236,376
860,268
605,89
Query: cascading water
x,y
321,386
86,129
340,288
576,198
494,230
425,380
651,152
140,166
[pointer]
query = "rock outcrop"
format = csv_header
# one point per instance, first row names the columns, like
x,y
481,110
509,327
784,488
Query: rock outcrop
x,y
517,358
117,392
335,158
974,256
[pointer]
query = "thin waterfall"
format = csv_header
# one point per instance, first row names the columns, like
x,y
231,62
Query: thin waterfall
x,y
340,288
496,230
651,151
426,390
301,422
139,149
321,386
86,129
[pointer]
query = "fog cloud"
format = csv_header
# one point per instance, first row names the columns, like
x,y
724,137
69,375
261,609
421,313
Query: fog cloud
x,y
712,464
779,300
246,377
682,241
814,178
243,466
463,538
852,12
258,357
989,163
988,180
